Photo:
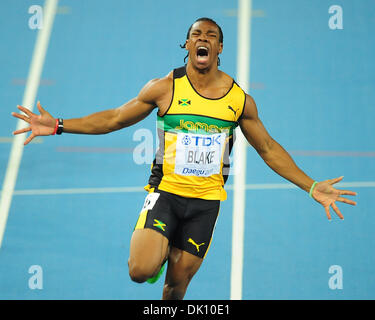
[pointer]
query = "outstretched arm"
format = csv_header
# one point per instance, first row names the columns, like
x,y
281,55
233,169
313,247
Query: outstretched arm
x,y
100,122
279,160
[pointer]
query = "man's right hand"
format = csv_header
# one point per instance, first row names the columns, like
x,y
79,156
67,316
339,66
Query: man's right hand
x,y
40,125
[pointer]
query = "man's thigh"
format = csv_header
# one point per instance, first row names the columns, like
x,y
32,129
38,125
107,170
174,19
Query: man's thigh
x,y
155,226
148,247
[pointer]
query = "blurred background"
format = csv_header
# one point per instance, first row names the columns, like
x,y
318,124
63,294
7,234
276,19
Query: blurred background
x,y
77,198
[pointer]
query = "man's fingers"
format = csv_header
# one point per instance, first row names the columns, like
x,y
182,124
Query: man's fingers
x,y
22,130
336,209
327,212
333,181
21,116
348,193
24,110
341,199
41,110
31,137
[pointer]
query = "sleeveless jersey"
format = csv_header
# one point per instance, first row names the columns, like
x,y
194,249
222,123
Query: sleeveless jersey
x,y
196,136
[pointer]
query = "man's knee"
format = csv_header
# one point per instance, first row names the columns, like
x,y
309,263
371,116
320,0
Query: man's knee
x,y
140,272
181,275
176,283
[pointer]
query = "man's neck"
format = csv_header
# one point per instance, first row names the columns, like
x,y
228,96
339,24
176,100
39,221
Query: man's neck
x,y
202,79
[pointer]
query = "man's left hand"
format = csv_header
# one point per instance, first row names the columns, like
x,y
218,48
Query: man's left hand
x,y
327,195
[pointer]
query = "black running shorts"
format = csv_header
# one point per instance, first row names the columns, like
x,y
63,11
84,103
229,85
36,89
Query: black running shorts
x,y
188,223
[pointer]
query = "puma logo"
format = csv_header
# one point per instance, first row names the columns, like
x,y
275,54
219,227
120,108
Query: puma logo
x,y
196,245
234,111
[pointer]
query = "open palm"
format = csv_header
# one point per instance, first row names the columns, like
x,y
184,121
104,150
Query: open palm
x,y
40,125
327,195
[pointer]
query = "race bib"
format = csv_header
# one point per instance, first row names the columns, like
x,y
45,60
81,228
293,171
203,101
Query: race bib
x,y
198,154
150,201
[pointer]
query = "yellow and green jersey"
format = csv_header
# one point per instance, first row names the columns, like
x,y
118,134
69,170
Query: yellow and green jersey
x,y
196,136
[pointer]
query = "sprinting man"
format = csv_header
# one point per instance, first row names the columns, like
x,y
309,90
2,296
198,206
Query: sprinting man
x,y
199,107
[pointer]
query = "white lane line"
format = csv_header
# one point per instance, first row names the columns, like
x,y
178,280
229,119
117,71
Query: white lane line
x,y
329,153
280,186
34,192
11,139
28,101
230,187
238,216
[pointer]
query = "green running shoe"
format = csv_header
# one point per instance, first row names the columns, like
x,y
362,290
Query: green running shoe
x,y
156,278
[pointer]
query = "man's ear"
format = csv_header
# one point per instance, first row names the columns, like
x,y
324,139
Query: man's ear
x,y
220,48
187,44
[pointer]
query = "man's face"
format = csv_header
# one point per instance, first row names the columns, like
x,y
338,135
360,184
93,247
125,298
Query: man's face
x,y
204,45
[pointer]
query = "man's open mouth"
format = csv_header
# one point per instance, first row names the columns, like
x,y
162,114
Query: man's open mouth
x,y
202,54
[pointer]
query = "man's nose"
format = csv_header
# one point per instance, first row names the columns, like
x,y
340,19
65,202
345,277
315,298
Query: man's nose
x,y
203,37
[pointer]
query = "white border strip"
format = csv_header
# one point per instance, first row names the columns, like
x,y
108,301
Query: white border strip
x,y
238,224
28,101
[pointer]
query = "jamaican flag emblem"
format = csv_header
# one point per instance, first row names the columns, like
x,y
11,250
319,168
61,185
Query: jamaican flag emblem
x,y
184,102
159,224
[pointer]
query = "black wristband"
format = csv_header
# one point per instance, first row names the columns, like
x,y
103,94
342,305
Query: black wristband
x,y
60,126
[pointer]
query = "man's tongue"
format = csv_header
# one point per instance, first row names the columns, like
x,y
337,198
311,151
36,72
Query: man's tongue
x,y
202,55
202,59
